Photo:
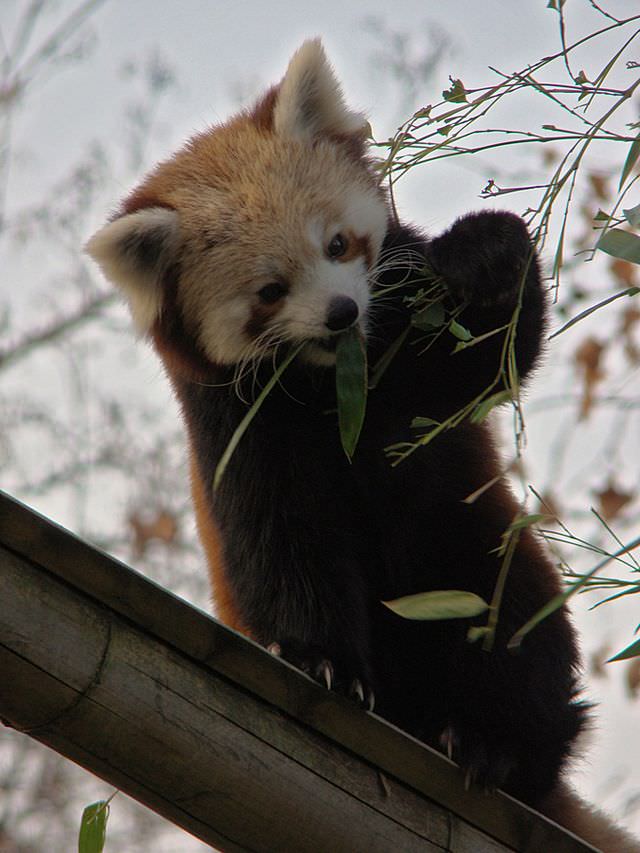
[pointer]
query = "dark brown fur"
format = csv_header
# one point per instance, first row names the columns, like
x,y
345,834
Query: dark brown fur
x,y
307,545
304,546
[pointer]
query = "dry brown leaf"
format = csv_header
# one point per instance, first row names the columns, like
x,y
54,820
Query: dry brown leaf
x,y
598,659
624,271
632,677
589,353
611,501
161,526
587,358
632,352
630,318
599,185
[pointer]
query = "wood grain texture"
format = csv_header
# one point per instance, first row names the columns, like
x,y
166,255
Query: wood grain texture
x,y
210,731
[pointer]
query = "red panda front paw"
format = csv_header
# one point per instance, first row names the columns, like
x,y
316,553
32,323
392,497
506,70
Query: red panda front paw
x,y
483,257
321,668
486,765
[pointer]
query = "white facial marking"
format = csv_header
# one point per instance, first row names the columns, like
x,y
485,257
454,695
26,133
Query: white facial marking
x,y
133,251
314,280
316,235
367,215
306,311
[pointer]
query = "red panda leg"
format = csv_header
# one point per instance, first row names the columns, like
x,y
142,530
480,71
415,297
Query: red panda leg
x,y
225,606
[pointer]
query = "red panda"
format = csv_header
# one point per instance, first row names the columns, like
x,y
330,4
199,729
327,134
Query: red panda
x,y
272,230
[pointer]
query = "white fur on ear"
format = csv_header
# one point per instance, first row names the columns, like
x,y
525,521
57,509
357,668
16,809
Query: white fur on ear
x,y
133,251
310,102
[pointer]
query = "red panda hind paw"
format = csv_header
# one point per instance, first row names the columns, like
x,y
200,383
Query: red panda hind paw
x,y
362,694
482,766
318,667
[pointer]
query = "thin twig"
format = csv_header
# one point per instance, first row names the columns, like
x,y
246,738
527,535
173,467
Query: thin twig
x,y
90,311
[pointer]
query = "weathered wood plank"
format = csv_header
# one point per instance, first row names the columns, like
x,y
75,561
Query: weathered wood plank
x,y
211,731
145,711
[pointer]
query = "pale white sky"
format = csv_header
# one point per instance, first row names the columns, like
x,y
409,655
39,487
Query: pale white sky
x,y
220,48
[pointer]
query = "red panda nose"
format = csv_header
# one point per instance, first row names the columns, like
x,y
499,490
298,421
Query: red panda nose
x,y
342,313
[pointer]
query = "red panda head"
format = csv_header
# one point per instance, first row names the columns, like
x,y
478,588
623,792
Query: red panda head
x,y
260,231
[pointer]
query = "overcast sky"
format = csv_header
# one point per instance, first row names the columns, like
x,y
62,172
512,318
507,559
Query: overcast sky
x,y
222,52
219,49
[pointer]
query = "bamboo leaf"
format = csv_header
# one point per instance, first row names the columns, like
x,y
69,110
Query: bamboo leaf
x,y
477,632
561,598
629,163
440,604
632,215
486,406
431,317
422,423
524,521
472,342
632,651
630,291
459,331
558,259
93,827
620,244
246,420
351,387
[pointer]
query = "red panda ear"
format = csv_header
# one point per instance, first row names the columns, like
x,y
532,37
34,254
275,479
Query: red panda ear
x,y
309,102
133,252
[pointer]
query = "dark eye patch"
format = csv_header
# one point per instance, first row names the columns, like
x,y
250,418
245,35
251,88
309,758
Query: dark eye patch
x,y
272,292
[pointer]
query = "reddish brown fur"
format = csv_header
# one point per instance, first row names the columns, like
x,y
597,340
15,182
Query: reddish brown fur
x,y
141,199
262,113
226,609
177,348
261,316
306,542
356,247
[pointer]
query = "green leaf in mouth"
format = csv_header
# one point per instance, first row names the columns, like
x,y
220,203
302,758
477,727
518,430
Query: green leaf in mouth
x,y
351,387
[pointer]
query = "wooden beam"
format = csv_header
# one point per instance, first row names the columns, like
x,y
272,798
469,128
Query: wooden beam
x,y
208,729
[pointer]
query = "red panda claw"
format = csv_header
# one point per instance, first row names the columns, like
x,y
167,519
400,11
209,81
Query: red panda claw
x,y
362,694
275,649
357,691
324,672
449,741
370,700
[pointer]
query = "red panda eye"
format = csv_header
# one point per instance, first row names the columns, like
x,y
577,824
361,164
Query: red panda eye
x,y
337,246
273,292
